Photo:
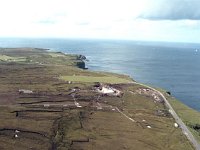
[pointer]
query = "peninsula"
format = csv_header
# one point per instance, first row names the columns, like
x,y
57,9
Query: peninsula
x,y
48,100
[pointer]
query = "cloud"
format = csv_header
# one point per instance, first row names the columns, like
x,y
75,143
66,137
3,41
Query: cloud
x,y
47,21
102,28
172,10
83,23
109,19
52,18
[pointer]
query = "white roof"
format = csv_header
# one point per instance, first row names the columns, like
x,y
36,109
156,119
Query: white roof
x,y
107,90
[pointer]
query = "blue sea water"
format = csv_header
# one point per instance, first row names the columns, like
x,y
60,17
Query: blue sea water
x,y
172,66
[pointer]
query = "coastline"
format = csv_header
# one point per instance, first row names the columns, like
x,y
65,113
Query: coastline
x,y
185,126
186,129
38,77
177,113
177,81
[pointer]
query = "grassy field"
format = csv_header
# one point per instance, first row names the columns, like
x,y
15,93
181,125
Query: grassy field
x,y
61,115
103,79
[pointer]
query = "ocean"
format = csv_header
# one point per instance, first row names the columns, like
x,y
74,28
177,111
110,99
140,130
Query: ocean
x,y
174,67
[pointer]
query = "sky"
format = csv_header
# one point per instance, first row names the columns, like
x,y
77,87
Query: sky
x,y
147,20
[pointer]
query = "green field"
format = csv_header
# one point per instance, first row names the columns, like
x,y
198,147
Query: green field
x,y
103,79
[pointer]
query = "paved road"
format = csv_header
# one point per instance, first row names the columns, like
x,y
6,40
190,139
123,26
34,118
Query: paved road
x,y
176,117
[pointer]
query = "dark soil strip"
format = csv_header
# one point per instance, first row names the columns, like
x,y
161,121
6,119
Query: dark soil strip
x,y
79,140
18,112
46,101
24,131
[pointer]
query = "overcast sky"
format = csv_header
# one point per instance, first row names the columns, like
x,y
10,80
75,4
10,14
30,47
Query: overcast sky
x,y
154,20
